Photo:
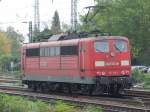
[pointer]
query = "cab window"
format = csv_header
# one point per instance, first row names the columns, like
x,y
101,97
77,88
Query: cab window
x,y
120,45
101,46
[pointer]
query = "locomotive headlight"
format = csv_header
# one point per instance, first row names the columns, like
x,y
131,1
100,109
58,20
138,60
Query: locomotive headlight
x,y
99,63
123,72
124,62
103,73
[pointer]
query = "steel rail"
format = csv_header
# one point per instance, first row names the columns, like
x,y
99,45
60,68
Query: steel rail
x,y
137,93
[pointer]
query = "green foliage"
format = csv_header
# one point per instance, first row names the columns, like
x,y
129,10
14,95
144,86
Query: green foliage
x,y
15,40
43,35
141,78
129,18
147,81
19,104
137,76
63,107
4,45
65,27
10,43
94,109
5,48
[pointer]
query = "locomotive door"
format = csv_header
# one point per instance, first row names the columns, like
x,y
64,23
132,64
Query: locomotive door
x,y
82,60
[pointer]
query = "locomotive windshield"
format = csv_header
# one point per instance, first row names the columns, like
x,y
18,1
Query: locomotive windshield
x,y
120,45
101,46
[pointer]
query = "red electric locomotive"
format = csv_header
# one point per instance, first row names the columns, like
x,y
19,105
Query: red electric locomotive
x,y
97,64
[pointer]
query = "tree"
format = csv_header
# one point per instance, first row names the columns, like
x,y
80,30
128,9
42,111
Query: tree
x,y
55,28
65,27
44,35
15,40
36,33
5,49
4,45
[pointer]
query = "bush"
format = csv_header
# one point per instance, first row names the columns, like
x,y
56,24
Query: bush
x,y
137,76
147,81
141,78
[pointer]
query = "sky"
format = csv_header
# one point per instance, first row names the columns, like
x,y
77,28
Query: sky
x,y
16,12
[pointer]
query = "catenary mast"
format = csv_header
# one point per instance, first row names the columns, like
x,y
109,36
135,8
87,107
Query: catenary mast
x,y
36,17
73,15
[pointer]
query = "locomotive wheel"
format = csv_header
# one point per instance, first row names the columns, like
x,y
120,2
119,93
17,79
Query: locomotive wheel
x,y
70,89
87,89
29,86
46,87
59,88
41,87
91,89
66,88
98,89
38,87
33,87
114,90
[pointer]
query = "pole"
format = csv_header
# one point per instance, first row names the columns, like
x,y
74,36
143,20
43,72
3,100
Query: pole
x,y
30,32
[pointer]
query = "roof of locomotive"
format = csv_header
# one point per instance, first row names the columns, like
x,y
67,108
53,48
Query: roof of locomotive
x,y
104,37
72,41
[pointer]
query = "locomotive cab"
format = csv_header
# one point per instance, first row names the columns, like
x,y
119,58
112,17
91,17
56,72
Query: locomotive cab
x,y
112,63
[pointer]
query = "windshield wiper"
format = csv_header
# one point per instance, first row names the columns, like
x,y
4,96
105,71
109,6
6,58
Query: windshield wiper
x,y
117,48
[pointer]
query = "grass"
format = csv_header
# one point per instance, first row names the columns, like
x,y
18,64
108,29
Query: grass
x,y
63,107
143,78
20,104
93,109
147,81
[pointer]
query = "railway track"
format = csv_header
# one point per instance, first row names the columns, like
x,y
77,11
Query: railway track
x,y
138,93
8,79
130,104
